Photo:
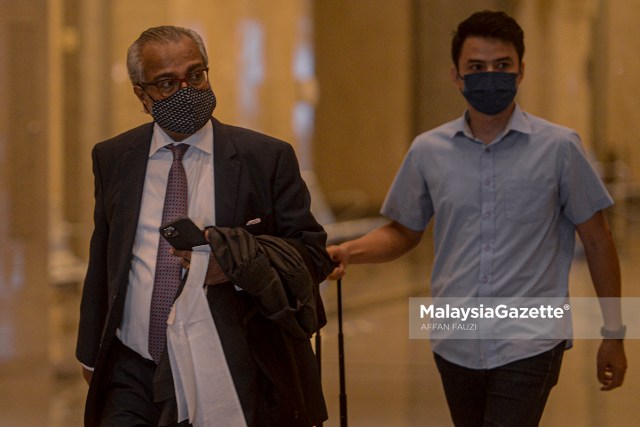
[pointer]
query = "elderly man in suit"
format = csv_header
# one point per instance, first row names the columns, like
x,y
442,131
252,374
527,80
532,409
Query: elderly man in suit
x,y
224,176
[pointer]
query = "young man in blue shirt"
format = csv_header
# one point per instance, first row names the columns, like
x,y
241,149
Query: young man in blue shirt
x,y
507,191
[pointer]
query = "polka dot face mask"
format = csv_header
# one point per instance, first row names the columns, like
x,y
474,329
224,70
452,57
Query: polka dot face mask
x,y
186,111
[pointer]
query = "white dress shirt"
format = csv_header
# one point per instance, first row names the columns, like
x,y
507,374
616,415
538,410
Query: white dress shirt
x,y
198,164
205,391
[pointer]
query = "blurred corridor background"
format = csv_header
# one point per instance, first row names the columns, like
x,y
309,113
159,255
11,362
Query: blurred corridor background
x,y
348,83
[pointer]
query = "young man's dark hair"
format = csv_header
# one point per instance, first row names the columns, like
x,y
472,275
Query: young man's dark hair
x,y
488,24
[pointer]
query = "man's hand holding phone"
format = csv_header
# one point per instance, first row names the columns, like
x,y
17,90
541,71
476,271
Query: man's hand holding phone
x,y
183,234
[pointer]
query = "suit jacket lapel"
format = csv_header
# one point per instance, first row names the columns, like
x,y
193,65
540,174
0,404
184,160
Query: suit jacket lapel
x,y
133,168
226,175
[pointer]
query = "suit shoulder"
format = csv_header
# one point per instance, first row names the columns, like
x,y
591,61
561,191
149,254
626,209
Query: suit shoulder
x,y
251,140
140,133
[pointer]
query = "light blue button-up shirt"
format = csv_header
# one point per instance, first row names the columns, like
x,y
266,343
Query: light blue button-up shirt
x,y
504,218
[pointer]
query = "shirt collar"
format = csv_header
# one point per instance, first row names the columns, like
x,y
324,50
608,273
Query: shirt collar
x,y
518,122
202,139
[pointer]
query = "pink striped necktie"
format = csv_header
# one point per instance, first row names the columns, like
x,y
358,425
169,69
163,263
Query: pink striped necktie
x,y
168,270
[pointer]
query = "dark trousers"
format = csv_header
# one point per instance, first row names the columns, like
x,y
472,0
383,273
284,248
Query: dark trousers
x,y
511,395
127,391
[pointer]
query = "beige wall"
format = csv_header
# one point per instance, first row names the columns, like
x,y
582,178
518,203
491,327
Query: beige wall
x,y
619,101
363,51
24,227
558,60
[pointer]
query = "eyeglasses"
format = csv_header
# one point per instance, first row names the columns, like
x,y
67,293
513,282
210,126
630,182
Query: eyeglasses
x,y
168,87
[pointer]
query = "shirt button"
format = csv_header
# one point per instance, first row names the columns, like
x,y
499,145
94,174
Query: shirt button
x,y
487,215
487,247
484,279
487,181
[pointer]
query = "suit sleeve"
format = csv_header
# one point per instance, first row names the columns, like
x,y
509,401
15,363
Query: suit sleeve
x,y
294,218
94,303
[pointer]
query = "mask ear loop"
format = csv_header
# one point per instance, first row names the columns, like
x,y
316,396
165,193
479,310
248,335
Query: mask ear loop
x,y
145,109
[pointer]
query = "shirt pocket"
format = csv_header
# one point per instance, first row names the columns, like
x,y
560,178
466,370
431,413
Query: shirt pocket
x,y
528,202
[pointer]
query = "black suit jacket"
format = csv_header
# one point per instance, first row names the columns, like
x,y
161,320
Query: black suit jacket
x,y
256,176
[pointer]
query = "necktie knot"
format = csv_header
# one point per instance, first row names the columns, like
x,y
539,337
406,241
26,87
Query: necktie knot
x,y
178,150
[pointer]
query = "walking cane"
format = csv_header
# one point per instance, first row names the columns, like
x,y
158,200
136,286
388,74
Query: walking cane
x,y
319,358
343,392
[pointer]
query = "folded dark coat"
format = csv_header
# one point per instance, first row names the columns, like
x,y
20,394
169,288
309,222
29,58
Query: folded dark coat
x,y
288,311
274,273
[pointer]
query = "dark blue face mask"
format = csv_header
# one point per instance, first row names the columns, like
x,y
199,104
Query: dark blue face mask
x,y
490,92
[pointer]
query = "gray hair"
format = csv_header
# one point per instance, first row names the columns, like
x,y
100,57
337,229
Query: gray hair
x,y
163,34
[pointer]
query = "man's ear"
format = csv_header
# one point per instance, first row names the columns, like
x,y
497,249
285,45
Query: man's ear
x,y
520,73
142,97
455,78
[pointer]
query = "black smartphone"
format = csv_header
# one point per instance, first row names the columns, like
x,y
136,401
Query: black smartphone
x,y
183,234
